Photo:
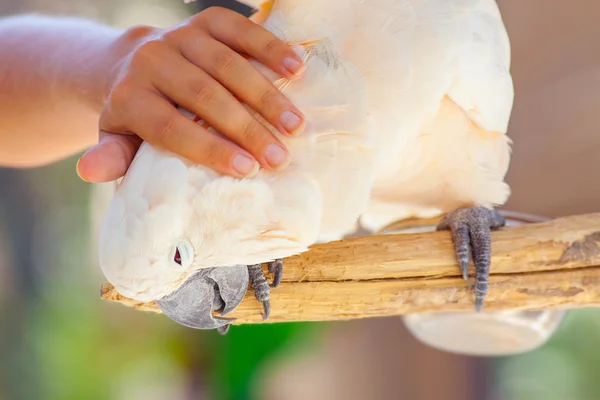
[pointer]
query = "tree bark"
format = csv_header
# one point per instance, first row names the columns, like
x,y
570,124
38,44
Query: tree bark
x,y
555,264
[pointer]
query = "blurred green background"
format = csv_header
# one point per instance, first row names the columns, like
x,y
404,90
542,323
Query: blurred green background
x,y
60,341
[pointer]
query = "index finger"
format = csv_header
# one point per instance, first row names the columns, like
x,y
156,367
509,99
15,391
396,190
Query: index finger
x,y
244,36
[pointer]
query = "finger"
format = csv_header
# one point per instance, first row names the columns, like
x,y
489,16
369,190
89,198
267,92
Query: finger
x,y
109,159
196,91
244,36
247,83
154,119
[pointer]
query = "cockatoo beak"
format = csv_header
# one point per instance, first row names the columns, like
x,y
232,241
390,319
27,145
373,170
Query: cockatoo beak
x,y
220,289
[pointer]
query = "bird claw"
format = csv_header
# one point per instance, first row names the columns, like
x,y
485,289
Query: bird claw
x,y
276,268
262,290
220,289
471,234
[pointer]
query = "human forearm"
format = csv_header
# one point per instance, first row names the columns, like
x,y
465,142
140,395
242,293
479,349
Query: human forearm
x,y
63,80
54,79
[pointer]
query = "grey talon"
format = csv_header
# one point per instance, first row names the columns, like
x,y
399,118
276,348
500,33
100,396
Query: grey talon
x,y
471,235
266,309
262,291
220,289
276,268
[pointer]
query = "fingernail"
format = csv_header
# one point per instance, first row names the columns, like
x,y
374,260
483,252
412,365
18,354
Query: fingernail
x,y
291,122
245,165
78,173
295,66
276,156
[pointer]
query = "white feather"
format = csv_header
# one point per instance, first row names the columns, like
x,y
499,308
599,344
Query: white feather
x,y
407,104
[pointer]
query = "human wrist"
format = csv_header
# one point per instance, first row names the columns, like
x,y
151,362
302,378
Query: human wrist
x,y
114,56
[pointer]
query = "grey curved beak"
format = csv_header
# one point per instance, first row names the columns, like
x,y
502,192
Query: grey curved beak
x,y
220,289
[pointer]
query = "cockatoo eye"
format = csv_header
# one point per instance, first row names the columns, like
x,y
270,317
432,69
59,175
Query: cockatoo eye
x,y
182,255
177,257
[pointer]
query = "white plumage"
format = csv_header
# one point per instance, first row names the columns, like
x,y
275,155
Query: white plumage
x,y
407,105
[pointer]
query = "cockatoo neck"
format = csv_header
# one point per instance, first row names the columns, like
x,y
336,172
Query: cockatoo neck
x,y
263,8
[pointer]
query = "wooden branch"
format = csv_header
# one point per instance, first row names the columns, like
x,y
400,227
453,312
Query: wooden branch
x,y
554,264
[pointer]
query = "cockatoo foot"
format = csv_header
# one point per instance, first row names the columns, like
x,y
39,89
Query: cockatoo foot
x,y
262,290
471,234
220,289
276,269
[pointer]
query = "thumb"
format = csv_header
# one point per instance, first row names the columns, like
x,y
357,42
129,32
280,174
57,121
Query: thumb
x,y
109,159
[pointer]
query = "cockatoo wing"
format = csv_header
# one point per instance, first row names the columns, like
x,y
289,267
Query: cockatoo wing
x,y
333,155
370,43
457,152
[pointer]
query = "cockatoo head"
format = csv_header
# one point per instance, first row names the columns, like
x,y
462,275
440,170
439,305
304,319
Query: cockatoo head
x,y
152,245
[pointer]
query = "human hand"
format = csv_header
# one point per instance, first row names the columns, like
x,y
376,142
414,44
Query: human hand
x,y
197,65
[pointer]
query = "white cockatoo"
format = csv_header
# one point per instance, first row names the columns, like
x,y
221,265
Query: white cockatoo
x,y
407,104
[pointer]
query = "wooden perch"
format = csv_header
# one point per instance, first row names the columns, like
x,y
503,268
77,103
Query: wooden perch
x,y
554,264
